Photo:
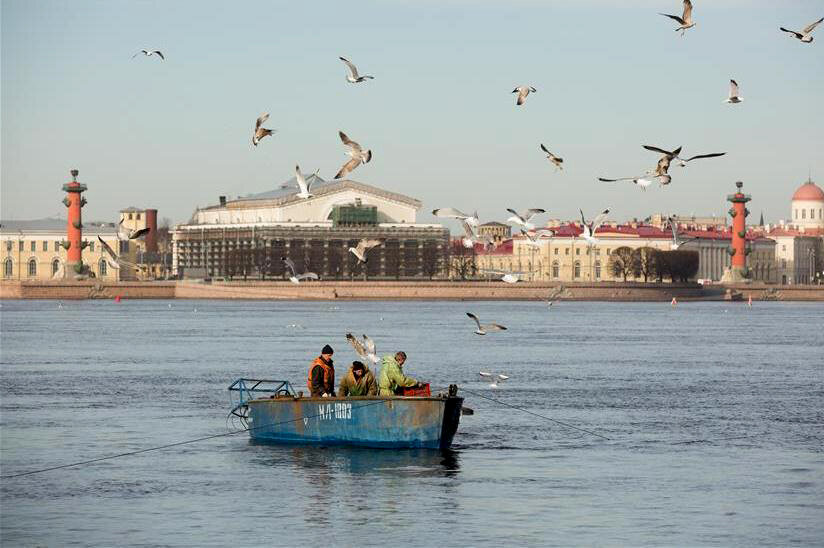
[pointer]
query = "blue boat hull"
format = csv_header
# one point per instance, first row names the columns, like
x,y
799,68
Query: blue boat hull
x,y
391,422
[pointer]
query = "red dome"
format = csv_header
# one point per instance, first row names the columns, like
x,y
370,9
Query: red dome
x,y
809,191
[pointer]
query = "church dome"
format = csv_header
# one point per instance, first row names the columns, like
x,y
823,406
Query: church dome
x,y
809,191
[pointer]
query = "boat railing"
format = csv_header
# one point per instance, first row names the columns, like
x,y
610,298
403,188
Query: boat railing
x,y
243,390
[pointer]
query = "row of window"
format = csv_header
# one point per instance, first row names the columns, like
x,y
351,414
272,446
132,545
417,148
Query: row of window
x,y
578,251
45,247
812,213
8,267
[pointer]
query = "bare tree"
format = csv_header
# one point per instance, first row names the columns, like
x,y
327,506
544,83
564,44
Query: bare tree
x,y
623,262
649,262
431,258
463,261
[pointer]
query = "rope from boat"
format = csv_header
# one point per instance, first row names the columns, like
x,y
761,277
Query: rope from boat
x,y
533,413
175,444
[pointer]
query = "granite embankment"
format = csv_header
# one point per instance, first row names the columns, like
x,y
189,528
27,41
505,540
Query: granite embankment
x,y
399,290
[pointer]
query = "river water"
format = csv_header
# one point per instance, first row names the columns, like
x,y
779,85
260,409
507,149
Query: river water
x,y
714,414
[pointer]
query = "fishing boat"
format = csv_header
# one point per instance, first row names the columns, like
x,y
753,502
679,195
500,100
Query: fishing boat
x,y
273,412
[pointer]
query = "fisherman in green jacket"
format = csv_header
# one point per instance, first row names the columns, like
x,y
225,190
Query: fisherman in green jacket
x,y
391,377
358,381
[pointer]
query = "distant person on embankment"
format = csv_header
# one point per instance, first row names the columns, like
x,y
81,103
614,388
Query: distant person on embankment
x,y
321,381
391,377
358,381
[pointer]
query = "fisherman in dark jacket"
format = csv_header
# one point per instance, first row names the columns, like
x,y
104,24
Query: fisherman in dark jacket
x,y
321,381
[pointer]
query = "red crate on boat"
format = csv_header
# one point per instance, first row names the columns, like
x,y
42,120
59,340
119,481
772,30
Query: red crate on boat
x,y
423,390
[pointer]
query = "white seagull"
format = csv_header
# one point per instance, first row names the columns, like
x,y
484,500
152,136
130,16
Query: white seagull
x,y
353,75
522,219
508,277
452,213
674,155
471,236
554,159
149,53
495,379
113,260
363,247
303,186
676,241
124,233
685,19
734,97
483,329
355,152
522,92
590,228
295,278
555,294
806,35
364,348
261,132
534,238
641,182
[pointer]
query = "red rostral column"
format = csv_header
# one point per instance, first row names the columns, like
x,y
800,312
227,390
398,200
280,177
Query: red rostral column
x,y
739,251
74,245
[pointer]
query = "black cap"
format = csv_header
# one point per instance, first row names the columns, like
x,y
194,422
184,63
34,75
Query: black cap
x,y
327,350
358,365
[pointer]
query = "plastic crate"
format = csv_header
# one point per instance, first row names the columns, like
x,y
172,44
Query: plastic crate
x,y
412,391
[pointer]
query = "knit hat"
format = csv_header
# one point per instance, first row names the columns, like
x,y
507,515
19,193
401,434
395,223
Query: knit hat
x,y
327,350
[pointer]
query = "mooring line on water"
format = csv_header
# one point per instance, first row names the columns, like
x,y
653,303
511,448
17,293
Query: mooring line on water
x,y
535,414
175,444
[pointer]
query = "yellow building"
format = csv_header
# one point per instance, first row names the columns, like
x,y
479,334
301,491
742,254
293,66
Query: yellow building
x,y
32,250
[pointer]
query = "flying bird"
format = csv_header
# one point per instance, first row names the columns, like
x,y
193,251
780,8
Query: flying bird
x,y
364,348
295,278
507,277
303,186
522,219
363,247
685,20
471,236
452,213
554,159
112,259
734,97
590,228
149,53
522,92
674,155
355,152
493,378
676,241
124,233
642,181
534,238
353,75
555,294
261,132
483,329
806,35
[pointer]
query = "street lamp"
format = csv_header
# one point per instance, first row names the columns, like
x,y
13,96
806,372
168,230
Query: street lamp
x,y
811,255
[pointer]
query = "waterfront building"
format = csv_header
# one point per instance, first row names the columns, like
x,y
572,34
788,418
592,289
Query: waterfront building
x,y
499,231
249,235
33,250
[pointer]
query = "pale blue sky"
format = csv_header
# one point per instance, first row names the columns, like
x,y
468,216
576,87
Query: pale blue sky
x,y
439,116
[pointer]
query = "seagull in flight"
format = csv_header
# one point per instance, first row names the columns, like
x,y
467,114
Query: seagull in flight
x,y
554,159
642,181
674,155
452,213
522,92
303,186
522,219
353,75
534,238
124,233
493,378
357,154
685,20
676,241
734,97
295,278
113,260
261,132
364,348
471,237
806,35
589,228
555,294
508,277
483,329
149,53
362,248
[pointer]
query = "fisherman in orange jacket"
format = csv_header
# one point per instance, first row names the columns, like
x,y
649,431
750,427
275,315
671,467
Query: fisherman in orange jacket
x,y
321,381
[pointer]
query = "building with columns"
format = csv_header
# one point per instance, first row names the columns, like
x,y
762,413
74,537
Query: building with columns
x,y
249,235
